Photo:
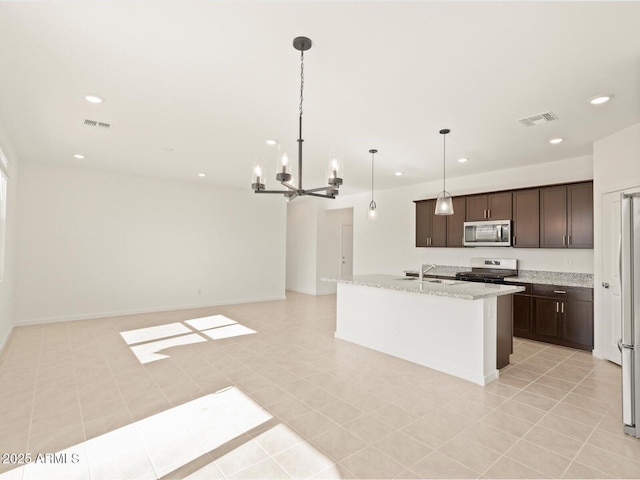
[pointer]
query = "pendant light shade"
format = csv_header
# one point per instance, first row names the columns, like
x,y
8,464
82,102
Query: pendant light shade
x,y
372,211
444,202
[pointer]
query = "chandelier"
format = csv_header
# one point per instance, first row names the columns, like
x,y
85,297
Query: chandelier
x,y
283,174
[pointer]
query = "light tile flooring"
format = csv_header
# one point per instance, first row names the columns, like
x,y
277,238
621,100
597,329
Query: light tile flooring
x,y
290,401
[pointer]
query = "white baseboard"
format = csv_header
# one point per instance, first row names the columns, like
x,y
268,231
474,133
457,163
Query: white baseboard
x,y
118,313
300,290
5,340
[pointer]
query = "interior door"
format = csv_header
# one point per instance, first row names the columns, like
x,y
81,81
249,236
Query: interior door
x,y
346,250
611,292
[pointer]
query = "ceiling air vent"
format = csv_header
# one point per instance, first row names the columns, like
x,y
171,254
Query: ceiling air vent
x,y
538,119
93,123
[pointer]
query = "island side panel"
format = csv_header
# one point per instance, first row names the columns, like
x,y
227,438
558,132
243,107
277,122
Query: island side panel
x,y
454,336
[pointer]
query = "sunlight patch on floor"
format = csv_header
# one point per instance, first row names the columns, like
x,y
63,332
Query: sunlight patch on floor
x,y
228,332
148,352
146,343
213,426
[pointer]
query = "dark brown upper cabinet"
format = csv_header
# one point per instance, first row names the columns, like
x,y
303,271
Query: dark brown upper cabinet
x,y
580,215
526,218
492,206
431,229
455,223
566,216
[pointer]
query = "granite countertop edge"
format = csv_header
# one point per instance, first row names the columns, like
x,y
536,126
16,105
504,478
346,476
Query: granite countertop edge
x,y
565,279
387,282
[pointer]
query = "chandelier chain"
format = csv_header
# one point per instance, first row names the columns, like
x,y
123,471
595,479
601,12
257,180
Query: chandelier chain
x,y
301,79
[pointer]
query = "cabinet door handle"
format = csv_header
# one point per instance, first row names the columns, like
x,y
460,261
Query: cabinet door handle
x,y
562,309
489,213
557,307
564,240
559,291
569,240
514,240
484,214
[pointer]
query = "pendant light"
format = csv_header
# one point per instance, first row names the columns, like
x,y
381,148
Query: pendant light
x,y
372,212
444,202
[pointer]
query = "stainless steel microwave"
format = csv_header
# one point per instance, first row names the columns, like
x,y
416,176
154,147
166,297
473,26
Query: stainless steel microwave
x,y
492,233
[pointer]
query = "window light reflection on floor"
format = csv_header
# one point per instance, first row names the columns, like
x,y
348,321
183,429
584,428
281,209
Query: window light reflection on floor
x,y
146,343
148,352
225,426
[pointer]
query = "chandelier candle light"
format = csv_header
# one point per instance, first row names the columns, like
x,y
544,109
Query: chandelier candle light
x,y
372,213
444,202
283,175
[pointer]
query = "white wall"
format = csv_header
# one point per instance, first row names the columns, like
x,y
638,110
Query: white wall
x,y
388,245
92,244
313,245
7,282
302,244
616,166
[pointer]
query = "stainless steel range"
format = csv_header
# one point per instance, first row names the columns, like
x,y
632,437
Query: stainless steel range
x,y
490,270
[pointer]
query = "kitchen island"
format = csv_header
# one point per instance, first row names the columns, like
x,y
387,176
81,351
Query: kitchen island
x,y
456,327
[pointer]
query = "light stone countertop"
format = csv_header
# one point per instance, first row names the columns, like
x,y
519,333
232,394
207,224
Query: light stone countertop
x,y
564,279
462,290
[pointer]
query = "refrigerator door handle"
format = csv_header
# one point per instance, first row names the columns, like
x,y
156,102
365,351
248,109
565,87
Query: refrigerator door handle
x,y
628,400
625,273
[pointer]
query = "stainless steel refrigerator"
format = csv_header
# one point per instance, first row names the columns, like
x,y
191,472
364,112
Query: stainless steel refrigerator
x,y
630,342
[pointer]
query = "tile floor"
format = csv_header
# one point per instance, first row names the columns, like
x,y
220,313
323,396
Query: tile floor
x,y
113,399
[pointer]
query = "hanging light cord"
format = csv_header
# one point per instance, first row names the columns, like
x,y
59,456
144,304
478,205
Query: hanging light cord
x,y
372,155
444,164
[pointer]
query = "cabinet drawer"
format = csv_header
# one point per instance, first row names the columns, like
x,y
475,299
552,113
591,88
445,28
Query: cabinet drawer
x,y
566,293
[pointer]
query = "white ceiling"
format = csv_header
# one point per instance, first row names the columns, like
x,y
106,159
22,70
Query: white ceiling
x,y
197,86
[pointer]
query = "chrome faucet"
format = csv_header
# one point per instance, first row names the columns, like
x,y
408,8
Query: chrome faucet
x,y
424,268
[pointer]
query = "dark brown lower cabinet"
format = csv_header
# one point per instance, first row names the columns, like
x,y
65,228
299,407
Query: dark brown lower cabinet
x,y
555,314
504,345
577,323
521,315
546,318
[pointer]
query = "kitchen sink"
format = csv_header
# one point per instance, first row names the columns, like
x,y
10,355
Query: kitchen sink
x,y
443,281
432,280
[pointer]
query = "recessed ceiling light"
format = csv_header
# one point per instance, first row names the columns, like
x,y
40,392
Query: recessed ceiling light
x,y
462,160
93,99
556,140
77,155
202,174
399,174
271,142
600,99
